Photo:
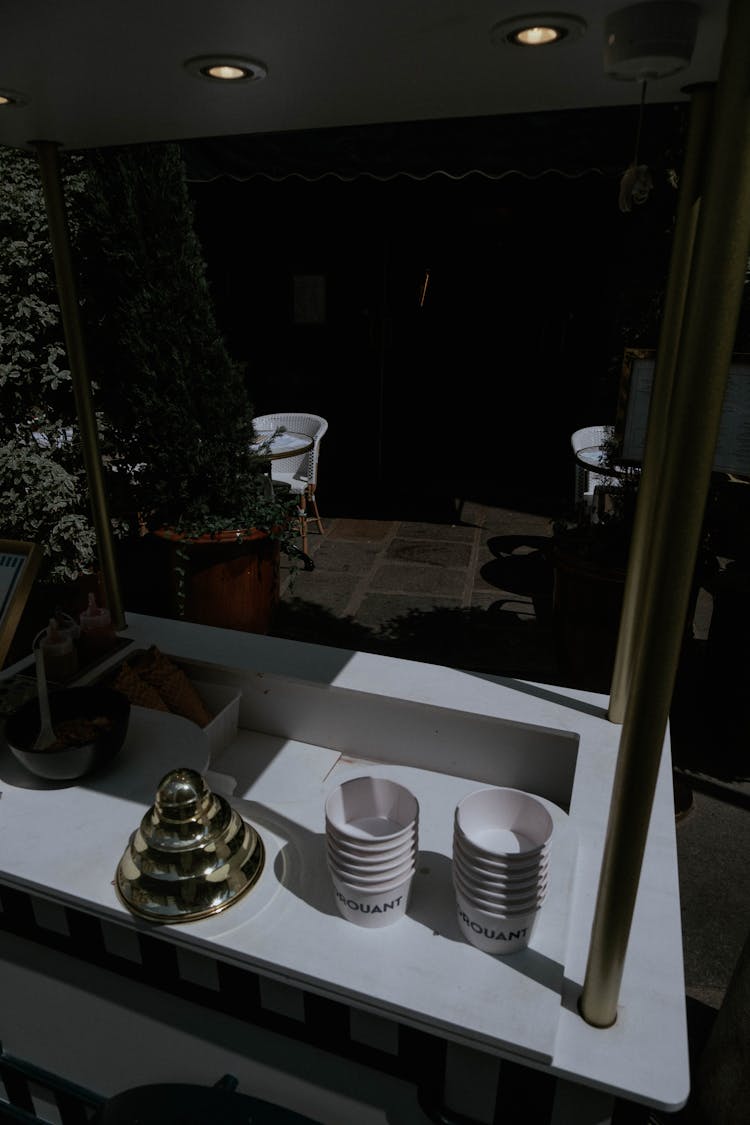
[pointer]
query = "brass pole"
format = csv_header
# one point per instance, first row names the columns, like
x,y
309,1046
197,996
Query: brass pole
x,y
686,221
705,353
66,290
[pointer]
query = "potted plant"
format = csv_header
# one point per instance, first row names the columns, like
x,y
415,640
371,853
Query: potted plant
x,y
177,406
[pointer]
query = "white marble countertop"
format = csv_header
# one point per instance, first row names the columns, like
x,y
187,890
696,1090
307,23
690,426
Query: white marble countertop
x,y
309,715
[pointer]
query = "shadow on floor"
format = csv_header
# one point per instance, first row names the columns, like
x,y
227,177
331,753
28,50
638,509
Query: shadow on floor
x,y
492,640
522,566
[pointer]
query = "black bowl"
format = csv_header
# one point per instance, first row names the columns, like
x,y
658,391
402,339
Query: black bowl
x,y
78,758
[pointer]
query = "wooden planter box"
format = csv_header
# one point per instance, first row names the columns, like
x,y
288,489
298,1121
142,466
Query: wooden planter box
x,y
231,583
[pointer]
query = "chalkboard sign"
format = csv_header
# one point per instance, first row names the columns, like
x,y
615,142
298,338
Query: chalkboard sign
x,y
19,563
732,453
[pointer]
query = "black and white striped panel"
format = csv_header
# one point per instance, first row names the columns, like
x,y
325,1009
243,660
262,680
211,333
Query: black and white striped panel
x,y
456,1084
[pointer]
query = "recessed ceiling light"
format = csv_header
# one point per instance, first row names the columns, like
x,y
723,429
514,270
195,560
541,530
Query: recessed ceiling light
x,y
12,98
536,36
226,68
537,29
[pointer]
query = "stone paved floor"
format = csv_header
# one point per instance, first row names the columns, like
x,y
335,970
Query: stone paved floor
x,y
468,593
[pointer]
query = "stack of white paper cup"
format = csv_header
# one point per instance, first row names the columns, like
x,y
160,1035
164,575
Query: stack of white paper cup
x,y
371,844
500,867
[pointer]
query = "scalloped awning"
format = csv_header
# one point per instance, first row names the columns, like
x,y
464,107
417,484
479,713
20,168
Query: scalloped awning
x,y
567,143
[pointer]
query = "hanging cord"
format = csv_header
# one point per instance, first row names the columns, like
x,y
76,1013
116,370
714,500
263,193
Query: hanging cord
x,y
637,182
640,122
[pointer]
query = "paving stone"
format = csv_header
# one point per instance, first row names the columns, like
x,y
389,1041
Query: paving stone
x,y
346,557
418,579
509,522
375,530
472,513
330,589
379,611
451,533
430,553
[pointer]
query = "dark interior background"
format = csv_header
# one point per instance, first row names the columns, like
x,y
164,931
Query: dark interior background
x,y
472,392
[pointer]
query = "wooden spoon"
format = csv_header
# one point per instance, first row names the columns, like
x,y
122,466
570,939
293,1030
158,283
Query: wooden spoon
x,y
46,736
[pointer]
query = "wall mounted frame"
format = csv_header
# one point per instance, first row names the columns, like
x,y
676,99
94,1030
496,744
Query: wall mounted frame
x,y
19,562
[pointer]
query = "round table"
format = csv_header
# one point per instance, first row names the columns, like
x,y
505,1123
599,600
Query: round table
x,y
593,459
273,446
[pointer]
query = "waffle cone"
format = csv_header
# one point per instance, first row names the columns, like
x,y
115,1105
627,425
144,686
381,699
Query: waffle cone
x,y
140,693
173,686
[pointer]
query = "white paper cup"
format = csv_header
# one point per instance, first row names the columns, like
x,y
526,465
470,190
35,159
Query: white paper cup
x,y
499,904
371,856
371,809
357,867
375,848
508,889
491,933
372,909
367,836
508,864
503,822
500,878
373,879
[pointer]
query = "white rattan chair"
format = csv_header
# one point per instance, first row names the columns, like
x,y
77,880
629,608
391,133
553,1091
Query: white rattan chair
x,y
587,480
299,472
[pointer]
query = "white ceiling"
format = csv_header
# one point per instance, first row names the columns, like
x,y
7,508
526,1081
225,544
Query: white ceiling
x,y
108,72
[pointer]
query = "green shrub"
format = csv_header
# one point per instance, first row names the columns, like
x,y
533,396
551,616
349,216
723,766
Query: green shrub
x,y
43,503
177,403
43,491
35,382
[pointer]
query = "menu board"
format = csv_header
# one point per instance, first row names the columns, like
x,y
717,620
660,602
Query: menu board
x,y
19,563
732,454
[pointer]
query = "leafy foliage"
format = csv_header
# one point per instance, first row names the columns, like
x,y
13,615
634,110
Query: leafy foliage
x,y
173,411
43,490
176,402
42,503
35,382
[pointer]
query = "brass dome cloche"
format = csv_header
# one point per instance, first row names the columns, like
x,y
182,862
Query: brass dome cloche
x,y
192,855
